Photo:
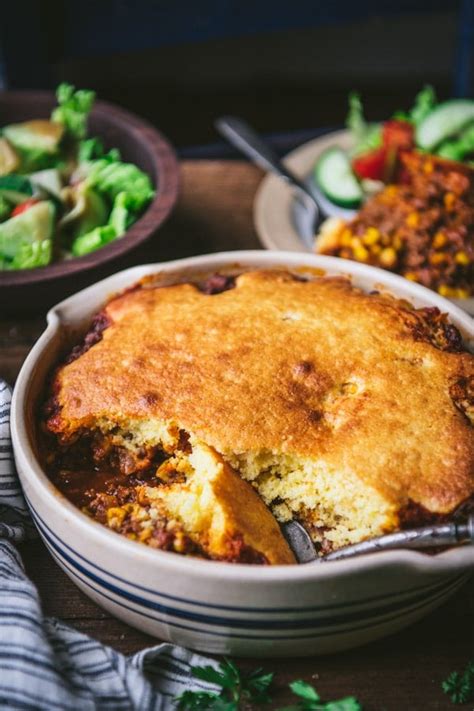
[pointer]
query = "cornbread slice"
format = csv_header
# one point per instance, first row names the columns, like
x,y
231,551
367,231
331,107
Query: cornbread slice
x,y
198,505
348,411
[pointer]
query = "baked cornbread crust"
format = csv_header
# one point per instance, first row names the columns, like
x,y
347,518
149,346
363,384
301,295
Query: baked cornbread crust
x,y
343,409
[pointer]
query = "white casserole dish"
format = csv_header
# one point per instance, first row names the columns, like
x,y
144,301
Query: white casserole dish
x,y
213,606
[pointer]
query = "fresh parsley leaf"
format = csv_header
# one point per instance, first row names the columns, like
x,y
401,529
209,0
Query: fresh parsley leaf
x,y
311,700
459,686
203,701
235,688
256,686
305,690
226,675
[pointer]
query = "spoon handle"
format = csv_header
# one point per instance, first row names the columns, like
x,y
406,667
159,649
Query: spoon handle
x,y
241,135
425,537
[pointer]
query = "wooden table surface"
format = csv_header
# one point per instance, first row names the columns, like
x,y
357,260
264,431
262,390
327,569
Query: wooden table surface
x,y
400,673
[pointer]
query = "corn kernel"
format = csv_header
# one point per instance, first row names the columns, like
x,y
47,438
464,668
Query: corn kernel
x,y
388,257
439,240
361,253
438,258
371,236
413,219
115,516
145,535
463,293
397,243
449,200
411,276
446,290
346,238
179,543
428,167
462,258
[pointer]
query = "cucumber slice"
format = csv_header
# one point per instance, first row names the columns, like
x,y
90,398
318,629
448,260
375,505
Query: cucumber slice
x,y
333,173
444,121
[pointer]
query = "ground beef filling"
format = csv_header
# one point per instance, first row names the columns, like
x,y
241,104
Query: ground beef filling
x,y
423,229
109,484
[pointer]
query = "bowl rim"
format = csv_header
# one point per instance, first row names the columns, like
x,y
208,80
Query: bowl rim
x,y
166,186
453,560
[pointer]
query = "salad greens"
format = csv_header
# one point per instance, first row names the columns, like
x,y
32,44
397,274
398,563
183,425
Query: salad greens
x,y
61,193
73,109
425,101
445,130
451,122
367,136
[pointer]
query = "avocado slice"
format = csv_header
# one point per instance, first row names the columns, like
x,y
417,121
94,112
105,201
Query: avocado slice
x,y
36,142
89,209
38,135
9,160
26,240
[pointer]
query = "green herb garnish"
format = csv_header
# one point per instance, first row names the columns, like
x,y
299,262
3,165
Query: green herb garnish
x,y
310,700
459,686
235,688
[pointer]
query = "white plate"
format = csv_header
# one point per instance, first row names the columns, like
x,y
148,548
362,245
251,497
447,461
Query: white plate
x,y
275,211
274,201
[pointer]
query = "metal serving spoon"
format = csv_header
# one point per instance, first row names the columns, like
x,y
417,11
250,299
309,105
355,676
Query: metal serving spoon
x,y
444,534
310,205
243,137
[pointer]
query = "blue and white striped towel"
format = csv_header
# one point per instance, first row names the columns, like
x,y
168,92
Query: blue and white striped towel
x,y
46,665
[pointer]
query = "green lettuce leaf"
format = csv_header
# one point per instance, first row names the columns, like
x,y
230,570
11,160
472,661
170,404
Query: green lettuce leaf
x,y
93,148
460,147
425,101
35,254
121,217
74,109
95,239
366,136
26,240
112,178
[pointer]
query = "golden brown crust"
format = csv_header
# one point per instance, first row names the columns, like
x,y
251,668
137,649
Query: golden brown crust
x,y
316,369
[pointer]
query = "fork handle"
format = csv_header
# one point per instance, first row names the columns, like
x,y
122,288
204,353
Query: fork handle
x,y
241,135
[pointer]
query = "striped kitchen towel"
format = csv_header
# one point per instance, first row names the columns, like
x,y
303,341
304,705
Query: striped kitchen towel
x,y
45,664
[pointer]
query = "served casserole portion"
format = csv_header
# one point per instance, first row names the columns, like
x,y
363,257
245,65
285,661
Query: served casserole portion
x,y
193,417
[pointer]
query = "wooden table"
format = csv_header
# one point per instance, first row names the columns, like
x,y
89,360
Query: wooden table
x,y
400,673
